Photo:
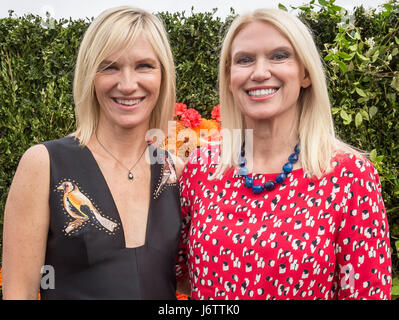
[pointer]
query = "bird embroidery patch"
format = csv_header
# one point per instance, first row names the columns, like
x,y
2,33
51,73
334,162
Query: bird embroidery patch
x,y
168,177
82,209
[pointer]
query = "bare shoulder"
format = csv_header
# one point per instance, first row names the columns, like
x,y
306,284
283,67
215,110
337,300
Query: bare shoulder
x,y
33,170
36,156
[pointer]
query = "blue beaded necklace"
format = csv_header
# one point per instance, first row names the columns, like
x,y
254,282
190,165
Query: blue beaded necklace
x,y
269,185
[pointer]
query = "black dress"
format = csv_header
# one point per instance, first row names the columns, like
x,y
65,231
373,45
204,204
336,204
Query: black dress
x,y
86,244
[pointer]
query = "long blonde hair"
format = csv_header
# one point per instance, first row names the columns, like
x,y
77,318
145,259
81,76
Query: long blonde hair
x,y
316,129
117,28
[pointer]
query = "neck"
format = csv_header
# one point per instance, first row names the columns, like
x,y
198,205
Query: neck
x,y
272,144
122,143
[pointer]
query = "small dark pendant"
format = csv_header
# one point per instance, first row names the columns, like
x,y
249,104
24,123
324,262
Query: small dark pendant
x,y
130,176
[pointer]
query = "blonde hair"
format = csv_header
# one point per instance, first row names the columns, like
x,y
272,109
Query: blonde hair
x,y
117,29
316,129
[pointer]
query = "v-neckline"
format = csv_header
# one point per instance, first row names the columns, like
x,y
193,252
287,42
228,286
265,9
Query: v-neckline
x,y
149,213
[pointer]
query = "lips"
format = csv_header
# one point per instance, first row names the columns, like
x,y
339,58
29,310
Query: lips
x,y
128,102
261,93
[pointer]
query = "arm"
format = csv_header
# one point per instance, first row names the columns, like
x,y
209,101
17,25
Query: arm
x,y
26,223
363,247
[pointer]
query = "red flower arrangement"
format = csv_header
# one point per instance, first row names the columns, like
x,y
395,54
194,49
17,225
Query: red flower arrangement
x,y
180,108
191,130
215,114
191,118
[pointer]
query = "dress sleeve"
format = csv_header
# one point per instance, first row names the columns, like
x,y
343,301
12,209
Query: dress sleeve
x,y
362,247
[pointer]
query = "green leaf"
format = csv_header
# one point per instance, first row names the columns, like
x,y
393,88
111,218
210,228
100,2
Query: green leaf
x,y
395,52
322,2
365,115
373,111
342,66
336,8
373,155
353,47
282,7
388,7
345,56
395,82
329,57
346,117
362,57
358,119
357,35
360,92
395,281
375,56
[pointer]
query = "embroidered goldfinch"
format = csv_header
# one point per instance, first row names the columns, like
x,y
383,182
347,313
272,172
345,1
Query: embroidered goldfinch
x,y
80,208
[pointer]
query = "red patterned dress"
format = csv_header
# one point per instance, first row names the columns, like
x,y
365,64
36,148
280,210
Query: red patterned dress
x,y
309,238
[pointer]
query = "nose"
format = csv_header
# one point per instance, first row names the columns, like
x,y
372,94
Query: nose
x,y
261,71
127,82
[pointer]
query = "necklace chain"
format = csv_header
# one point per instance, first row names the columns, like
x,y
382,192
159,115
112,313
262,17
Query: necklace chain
x,y
130,174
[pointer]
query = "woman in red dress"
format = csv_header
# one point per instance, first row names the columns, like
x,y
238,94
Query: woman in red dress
x,y
283,209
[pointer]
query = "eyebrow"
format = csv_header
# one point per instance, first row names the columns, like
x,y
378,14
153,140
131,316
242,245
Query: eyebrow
x,y
241,53
286,48
139,61
148,60
107,63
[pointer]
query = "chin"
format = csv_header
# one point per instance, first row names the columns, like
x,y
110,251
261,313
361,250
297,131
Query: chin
x,y
130,124
258,116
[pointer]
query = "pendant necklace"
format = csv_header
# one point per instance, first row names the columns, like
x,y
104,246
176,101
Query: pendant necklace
x,y
130,174
269,185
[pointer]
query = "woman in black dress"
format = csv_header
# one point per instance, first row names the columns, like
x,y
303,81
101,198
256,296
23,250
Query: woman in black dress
x,y
96,215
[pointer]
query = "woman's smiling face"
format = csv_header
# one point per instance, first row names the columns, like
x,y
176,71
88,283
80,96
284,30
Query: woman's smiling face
x,y
265,74
127,85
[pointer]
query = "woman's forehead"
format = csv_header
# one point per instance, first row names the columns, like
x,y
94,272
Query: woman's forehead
x,y
259,34
137,49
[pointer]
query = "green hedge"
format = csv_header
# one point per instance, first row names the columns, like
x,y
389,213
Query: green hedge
x,y
361,58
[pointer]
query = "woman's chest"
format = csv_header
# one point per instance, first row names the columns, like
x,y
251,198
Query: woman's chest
x,y
296,223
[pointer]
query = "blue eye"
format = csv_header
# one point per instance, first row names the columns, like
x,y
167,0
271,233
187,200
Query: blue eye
x,y
145,66
279,56
244,60
109,67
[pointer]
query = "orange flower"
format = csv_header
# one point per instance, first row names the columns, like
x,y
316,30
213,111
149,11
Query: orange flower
x,y
209,124
208,132
181,296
